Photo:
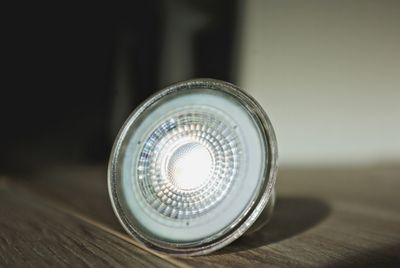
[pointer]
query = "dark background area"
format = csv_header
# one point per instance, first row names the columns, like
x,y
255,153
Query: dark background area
x,y
75,72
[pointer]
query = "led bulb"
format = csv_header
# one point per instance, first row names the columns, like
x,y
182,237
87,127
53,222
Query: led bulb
x,y
193,167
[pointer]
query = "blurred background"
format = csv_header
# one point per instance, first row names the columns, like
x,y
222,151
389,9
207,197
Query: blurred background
x,y
326,72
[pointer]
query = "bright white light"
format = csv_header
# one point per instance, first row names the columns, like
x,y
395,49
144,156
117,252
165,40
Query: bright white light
x,y
193,167
197,162
190,166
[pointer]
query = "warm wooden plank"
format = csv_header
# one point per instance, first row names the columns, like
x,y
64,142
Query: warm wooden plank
x,y
324,217
35,233
83,188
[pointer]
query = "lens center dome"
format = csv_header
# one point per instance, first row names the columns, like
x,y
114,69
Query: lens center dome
x,y
190,166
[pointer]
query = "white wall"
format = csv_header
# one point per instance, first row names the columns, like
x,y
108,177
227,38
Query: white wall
x,y
328,74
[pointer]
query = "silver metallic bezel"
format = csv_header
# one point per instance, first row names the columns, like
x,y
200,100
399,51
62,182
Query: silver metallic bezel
x,y
247,219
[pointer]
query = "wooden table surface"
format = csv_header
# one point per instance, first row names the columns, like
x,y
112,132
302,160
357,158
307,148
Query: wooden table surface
x,y
325,217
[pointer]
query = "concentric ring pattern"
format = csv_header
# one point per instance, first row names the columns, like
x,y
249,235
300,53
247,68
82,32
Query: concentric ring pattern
x,y
188,163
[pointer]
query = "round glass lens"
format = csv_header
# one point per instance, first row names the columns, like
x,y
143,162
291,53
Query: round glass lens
x,y
193,167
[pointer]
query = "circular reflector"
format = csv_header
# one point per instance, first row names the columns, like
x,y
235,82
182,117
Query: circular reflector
x,y
193,167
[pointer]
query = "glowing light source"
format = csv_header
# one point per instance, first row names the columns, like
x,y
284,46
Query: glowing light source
x,y
193,167
189,166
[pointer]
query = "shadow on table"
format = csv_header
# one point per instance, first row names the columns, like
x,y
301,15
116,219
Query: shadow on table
x,y
292,216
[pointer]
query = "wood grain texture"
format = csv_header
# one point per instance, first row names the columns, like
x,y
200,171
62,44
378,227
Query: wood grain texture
x,y
327,217
34,233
